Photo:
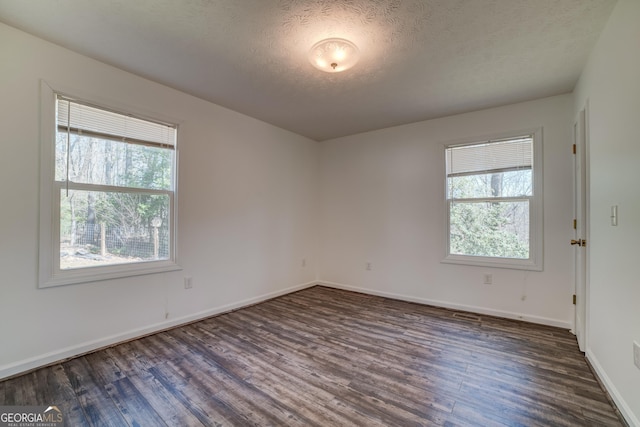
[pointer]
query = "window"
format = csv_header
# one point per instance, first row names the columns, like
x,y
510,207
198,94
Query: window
x,y
107,193
494,204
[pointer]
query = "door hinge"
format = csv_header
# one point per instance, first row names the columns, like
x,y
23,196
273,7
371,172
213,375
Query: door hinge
x,y
574,299
574,148
575,224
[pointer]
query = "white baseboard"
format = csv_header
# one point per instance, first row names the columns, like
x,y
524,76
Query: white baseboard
x,y
624,409
87,347
462,307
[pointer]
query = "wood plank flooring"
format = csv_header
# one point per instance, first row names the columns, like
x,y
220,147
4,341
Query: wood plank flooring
x,y
325,357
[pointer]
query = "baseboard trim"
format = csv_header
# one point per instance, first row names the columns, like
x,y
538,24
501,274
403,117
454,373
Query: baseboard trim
x,y
620,403
462,307
58,356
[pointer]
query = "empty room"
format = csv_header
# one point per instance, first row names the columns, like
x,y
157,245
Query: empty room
x,y
320,213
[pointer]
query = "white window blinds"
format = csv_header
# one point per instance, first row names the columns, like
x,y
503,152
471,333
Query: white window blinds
x,y
79,118
490,157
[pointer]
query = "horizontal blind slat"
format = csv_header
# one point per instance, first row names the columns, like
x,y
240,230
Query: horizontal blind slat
x,y
91,120
490,157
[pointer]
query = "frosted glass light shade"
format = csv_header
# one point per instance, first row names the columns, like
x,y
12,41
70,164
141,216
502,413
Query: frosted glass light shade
x,y
334,55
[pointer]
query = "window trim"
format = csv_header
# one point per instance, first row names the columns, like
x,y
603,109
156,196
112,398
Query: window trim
x,y
49,273
536,208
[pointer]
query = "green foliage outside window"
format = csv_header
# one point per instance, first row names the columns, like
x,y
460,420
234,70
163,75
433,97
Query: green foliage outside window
x,y
489,214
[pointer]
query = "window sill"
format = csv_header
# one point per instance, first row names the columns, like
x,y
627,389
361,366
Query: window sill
x,y
95,274
478,261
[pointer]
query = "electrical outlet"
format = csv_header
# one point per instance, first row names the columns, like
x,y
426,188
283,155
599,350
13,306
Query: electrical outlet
x,y
488,279
636,354
304,262
368,266
187,282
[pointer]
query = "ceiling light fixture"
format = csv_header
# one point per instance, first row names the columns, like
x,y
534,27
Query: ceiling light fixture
x,y
334,55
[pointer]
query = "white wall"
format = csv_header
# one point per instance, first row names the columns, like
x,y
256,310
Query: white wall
x,y
382,201
247,212
611,85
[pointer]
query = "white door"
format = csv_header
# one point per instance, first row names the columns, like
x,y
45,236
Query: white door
x,y
580,227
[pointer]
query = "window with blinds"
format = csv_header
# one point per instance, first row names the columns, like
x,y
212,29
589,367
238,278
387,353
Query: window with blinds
x,y
492,212
113,192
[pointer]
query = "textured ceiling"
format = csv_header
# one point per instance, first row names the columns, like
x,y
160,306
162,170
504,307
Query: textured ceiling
x,y
420,59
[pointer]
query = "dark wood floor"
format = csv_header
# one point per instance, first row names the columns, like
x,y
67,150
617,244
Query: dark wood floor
x,y
324,357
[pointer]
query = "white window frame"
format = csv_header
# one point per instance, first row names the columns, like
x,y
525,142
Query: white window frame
x,y
536,209
49,272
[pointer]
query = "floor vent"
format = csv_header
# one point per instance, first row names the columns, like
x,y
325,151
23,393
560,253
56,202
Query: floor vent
x,y
467,316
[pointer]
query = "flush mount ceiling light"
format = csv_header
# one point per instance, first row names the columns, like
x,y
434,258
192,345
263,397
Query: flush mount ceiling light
x,y
334,55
